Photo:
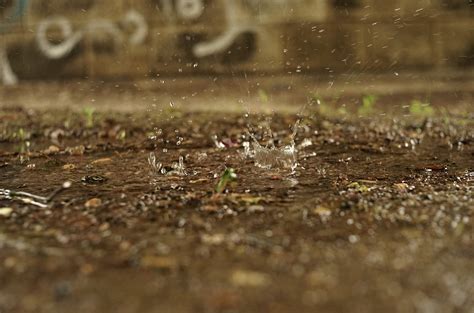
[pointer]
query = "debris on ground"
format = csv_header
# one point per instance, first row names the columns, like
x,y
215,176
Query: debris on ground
x,y
30,198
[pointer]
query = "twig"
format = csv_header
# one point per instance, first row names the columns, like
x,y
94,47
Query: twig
x,y
29,198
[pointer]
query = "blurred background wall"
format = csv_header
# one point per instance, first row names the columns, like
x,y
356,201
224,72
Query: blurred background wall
x,y
134,39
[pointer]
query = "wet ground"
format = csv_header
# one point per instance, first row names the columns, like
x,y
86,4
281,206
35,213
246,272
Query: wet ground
x,y
377,216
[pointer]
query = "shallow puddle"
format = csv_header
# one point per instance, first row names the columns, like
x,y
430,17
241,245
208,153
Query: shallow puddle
x,y
376,211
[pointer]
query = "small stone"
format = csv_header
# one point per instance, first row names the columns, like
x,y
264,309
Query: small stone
x,y
93,203
402,187
93,179
256,209
67,184
244,278
210,208
78,150
102,161
56,135
125,245
104,227
322,211
319,278
68,167
51,150
6,212
353,238
213,240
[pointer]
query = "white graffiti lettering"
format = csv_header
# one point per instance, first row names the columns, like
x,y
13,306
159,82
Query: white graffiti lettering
x,y
184,9
71,39
6,74
241,17
141,27
189,9
225,40
57,51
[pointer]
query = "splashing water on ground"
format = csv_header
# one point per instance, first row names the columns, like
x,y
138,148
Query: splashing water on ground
x,y
272,157
177,168
154,164
284,157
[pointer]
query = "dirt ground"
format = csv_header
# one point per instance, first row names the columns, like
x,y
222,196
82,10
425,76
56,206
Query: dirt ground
x,y
376,217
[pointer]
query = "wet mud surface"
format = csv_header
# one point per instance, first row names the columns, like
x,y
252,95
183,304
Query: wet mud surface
x,y
377,216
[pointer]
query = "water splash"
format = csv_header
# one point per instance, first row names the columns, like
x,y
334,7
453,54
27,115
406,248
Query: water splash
x,y
248,152
217,143
268,157
177,168
154,164
273,157
305,143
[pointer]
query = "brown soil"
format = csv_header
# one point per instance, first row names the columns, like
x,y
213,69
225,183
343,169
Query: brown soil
x,y
377,216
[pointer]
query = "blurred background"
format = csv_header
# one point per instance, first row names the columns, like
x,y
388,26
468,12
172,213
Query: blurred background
x,y
137,39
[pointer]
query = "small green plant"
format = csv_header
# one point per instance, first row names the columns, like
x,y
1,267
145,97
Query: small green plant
x,y
368,103
227,177
421,109
21,135
89,116
24,145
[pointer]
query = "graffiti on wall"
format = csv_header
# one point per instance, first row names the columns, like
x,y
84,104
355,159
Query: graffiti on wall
x,y
72,38
184,9
58,37
224,40
12,13
188,10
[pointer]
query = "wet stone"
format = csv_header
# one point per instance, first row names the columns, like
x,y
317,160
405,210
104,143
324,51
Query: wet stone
x,y
93,179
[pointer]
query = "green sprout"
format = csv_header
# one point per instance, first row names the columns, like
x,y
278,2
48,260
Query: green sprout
x,y
227,177
368,103
21,135
24,145
89,116
421,109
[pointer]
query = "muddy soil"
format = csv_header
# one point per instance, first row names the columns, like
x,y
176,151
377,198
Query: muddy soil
x,y
377,216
